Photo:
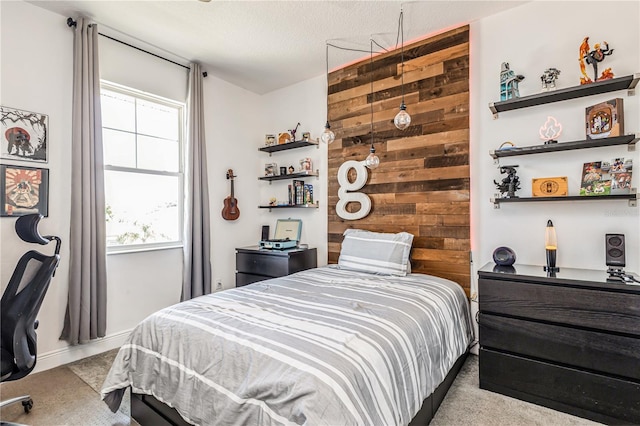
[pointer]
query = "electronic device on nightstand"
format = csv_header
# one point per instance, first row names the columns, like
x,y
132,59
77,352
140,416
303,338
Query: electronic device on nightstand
x,y
287,235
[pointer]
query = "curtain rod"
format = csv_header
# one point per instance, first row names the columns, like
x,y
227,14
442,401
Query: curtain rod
x,y
72,23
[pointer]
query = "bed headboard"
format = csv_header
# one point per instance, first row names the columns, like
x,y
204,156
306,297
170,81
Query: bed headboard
x,y
422,184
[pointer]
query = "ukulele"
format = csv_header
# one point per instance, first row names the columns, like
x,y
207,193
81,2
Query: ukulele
x,y
230,210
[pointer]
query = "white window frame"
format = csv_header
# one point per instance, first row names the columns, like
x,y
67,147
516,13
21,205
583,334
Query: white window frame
x,y
181,106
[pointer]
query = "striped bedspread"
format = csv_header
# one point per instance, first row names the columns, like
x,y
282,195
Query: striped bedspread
x,y
319,347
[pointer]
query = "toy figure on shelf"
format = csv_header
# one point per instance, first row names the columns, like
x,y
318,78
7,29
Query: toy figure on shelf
x,y
509,83
293,133
509,184
549,78
593,57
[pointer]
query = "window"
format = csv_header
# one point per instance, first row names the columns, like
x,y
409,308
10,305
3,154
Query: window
x,y
142,136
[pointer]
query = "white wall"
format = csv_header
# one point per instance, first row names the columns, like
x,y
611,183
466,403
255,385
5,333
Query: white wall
x,y
304,103
36,76
233,132
531,38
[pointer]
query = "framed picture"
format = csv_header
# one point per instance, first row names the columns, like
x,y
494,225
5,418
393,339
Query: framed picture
x,y
24,135
24,190
271,169
306,165
270,140
605,120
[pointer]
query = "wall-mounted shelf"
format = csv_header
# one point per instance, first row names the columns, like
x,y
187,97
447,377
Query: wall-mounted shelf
x,y
628,82
291,175
292,206
286,146
632,198
629,140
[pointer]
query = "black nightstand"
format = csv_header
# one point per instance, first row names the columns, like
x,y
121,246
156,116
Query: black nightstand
x,y
570,341
254,264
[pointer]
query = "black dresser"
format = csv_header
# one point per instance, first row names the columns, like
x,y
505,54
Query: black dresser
x,y
255,264
570,342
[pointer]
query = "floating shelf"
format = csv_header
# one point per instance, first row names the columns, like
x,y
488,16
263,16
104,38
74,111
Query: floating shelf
x,y
291,176
629,140
620,83
294,206
632,198
286,146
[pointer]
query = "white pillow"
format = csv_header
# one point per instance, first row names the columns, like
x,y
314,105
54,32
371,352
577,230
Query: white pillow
x,y
376,252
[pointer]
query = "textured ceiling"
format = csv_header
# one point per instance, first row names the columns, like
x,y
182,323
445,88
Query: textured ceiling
x,y
267,45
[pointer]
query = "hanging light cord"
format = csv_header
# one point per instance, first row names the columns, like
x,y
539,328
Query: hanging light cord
x,y
371,80
327,62
401,27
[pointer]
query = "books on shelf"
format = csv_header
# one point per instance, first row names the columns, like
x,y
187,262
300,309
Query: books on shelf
x,y
300,193
606,177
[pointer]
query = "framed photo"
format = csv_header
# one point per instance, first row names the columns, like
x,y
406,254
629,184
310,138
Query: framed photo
x,y
595,180
605,120
24,190
24,135
270,140
306,165
271,169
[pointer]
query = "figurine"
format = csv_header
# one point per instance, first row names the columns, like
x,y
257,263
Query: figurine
x,y
549,78
509,83
593,57
509,184
293,133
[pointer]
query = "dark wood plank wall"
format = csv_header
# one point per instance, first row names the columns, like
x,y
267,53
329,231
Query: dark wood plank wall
x,y
422,184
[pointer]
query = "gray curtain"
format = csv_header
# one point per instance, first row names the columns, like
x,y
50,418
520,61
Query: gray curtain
x,y
196,279
86,316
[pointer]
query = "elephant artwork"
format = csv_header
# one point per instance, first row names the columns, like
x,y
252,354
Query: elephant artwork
x,y
24,135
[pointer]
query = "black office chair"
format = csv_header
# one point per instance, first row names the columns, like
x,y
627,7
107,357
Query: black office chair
x,y
20,304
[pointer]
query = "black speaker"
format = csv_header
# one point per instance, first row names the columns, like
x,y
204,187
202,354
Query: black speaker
x,y
265,233
614,250
504,256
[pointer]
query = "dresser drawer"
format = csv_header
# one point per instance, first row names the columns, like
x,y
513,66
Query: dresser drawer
x,y
272,266
597,351
245,279
583,307
601,398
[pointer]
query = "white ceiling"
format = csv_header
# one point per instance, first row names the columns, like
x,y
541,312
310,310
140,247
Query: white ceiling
x,y
267,45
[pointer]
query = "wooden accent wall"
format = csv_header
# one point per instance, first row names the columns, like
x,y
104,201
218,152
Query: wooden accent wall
x,y
422,184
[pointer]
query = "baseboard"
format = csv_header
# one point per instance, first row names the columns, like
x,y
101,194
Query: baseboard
x,y
58,357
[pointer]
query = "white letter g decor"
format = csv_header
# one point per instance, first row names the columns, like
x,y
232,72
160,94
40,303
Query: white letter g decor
x,y
346,197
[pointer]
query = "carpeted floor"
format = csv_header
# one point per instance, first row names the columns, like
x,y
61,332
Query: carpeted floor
x,y
60,397
69,395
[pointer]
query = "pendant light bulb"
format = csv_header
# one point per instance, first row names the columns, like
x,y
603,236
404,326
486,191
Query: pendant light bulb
x,y
327,136
402,119
372,161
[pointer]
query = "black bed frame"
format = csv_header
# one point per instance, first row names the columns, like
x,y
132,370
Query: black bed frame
x,y
147,410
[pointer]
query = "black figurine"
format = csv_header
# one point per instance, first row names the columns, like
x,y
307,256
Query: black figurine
x,y
510,184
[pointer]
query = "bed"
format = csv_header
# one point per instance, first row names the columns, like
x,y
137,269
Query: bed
x,y
327,346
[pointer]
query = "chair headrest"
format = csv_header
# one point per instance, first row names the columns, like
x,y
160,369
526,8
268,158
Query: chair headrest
x,y
27,229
